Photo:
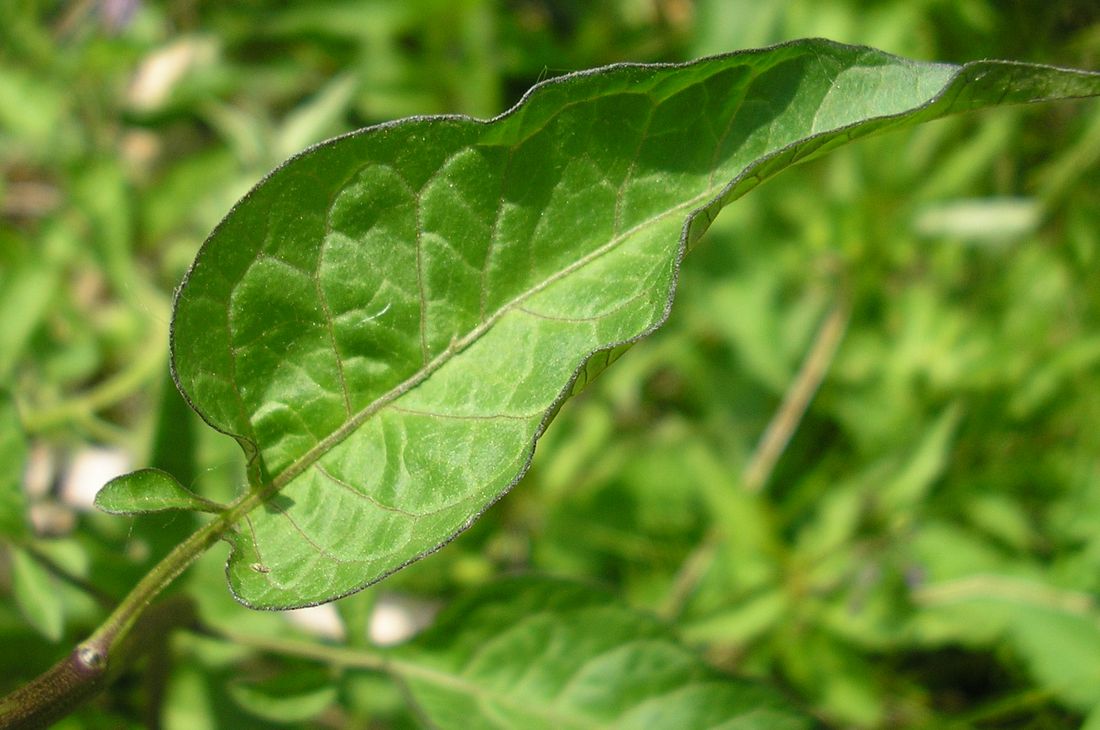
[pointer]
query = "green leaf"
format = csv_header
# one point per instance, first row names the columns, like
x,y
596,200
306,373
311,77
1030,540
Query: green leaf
x,y
1055,632
388,321
25,294
13,455
543,653
294,696
1062,651
36,594
927,463
149,490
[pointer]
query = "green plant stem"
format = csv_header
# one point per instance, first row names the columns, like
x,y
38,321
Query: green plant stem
x,y
118,624
86,670
110,391
797,398
341,657
54,693
334,656
1006,708
692,570
1008,588
89,666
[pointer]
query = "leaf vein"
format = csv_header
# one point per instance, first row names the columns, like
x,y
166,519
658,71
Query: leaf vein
x,y
628,176
468,416
370,498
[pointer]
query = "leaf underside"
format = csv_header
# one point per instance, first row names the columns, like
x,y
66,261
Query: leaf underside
x,y
389,320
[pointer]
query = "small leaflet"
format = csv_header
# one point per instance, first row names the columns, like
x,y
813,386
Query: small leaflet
x,y
149,490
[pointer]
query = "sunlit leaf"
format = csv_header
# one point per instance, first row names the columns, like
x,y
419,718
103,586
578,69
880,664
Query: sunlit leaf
x,y
389,320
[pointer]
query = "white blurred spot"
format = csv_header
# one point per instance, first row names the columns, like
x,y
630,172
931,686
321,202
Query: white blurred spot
x,y
398,618
160,72
90,469
51,518
322,621
979,220
40,471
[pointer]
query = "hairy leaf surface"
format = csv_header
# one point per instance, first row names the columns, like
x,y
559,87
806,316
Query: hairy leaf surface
x,y
541,653
388,321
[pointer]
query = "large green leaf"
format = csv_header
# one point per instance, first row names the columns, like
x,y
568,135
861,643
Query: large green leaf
x,y
388,321
540,653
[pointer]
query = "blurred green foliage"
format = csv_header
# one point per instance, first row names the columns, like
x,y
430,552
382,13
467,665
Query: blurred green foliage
x,y
926,550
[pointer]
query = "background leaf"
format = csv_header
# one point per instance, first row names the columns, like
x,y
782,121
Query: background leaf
x,y
293,697
13,455
388,321
36,594
544,653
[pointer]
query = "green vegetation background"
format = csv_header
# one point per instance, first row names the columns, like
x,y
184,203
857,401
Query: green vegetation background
x,y
925,551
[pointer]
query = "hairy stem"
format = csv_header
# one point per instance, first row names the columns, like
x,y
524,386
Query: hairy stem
x,y
118,624
56,692
89,667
